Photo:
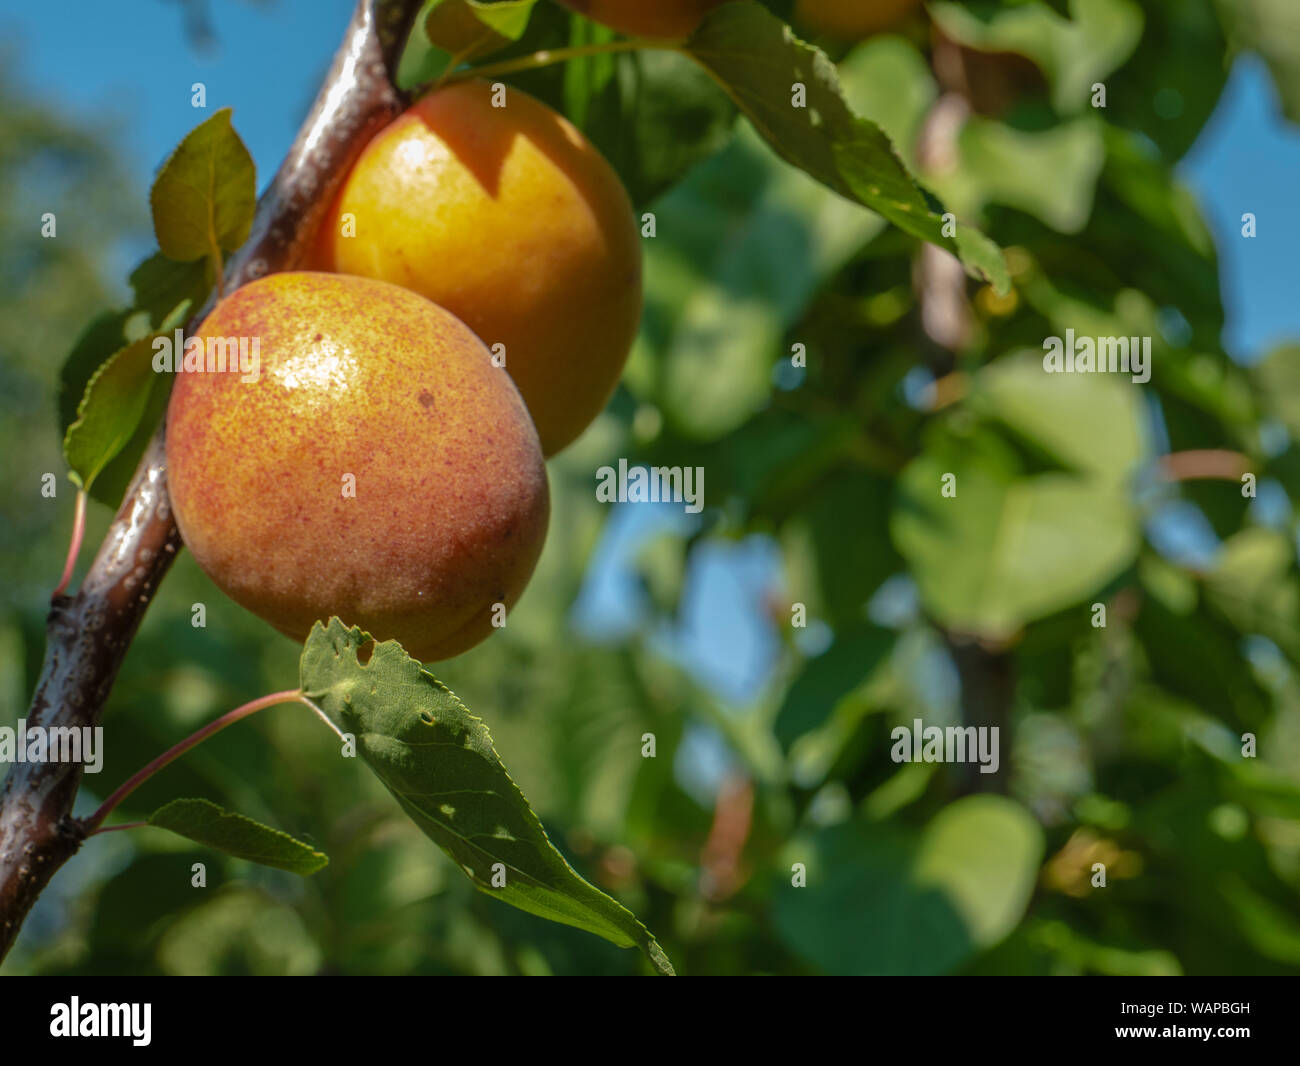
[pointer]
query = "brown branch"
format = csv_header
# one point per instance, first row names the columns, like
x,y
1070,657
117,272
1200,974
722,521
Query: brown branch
x,y
1215,464
722,871
87,635
988,691
939,278
985,668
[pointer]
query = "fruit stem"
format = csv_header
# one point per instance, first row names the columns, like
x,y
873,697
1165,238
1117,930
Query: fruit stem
x,y
74,548
549,56
229,718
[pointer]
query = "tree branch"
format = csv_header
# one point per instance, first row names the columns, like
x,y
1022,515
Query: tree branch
x,y
87,635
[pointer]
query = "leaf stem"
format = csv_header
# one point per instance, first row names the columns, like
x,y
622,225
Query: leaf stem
x,y
74,547
218,269
229,718
549,56
115,828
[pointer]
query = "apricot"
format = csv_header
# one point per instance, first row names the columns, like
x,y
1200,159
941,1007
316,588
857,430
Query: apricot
x,y
851,20
513,221
377,466
646,18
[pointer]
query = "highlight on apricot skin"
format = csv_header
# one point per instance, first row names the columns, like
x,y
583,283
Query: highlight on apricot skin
x,y
646,18
378,468
512,220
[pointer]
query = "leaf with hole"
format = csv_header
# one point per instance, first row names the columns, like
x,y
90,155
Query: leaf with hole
x,y
438,761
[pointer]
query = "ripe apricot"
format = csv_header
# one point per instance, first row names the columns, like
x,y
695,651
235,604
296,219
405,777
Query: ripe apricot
x,y
379,467
646,18
512,220
851,20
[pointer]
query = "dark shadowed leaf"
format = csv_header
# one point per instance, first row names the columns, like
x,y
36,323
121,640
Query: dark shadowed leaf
x,y
827,679
170,291
450,32
205,822
913,906
760,63
115,402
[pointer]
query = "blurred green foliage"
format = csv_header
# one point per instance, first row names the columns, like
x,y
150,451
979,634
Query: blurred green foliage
x,y
1120,745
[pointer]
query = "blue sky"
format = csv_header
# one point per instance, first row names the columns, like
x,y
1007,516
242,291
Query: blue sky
x,y
127,65
1248,159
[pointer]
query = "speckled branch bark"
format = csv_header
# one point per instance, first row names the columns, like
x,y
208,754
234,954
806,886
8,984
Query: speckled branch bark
x,y
87,634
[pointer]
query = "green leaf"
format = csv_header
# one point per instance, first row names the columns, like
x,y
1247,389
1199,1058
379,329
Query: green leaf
x,y
827,679
1276,381
877,902
1168,88
1253,586
438,761
887,79
1271,928
455,31
1058,414
112,482
168,291
509,18
1050,174
758,60
204,197
848,521
166,294
586,78
982,852
1192,653
742,245
652,114
115,401
1271,28
107,334
1007,549
1074,53
205,822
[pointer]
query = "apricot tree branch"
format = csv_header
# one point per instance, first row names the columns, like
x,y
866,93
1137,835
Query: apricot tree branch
x,y
87,634
177,750
1216,464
